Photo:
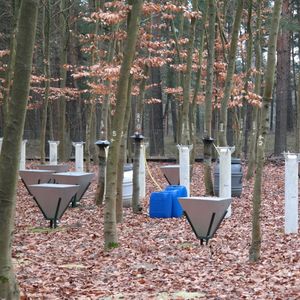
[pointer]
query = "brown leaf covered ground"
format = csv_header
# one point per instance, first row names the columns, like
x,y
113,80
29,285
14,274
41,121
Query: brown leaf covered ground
x,y
157,258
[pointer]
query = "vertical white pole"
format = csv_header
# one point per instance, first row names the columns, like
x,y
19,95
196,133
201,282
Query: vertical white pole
x,y
53,152
225,174
291,193
23,155
1,140
78,156
184,166
142,171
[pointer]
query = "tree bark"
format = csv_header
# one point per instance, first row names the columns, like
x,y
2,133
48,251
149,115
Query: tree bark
x,y
195,107
255,249
63,78
110,230
11,64
230,72
255,124
185,130
46,56
10,153
156,145
123,155
207,152
282,85
247,109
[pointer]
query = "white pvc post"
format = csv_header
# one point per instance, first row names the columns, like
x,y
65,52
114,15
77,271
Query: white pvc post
x,y
225,174
142,171
184,166
1,140
78,156
23,155
53,152
291,193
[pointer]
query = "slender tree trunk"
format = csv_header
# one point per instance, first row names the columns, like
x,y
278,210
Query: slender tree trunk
x,y
88,125
91,116
185,132
156,116
282,85
247,111
207,151
258,63
46,55
123,156
110,230
230,72
156,144
255,249
11,64
50,123
10,153
194,109
100,190
135,182
171,98
63,78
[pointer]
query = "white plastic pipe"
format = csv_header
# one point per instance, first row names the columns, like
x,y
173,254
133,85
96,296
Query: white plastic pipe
x,y
184,166
142,172
79,166
291,193
23,155
53,152
225,174
1,140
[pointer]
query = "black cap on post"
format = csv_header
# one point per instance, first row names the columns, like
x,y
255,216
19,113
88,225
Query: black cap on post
x,y
208,140
102,143
137,137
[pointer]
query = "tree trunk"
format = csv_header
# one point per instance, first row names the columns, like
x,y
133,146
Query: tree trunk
x,y
136,208
282,85
100,190
207,152
46,56
64,28
195,108
247,109
10,153
110,230
185,130
88,128
172,100
11,64
255,249
123,156
156,116
258,63
230,72
156,144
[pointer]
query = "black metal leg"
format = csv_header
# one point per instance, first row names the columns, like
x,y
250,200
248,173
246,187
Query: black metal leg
x,y
74,200
210,224
56,213
209,234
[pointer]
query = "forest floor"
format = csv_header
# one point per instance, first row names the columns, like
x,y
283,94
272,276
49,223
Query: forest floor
x,y
157,258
